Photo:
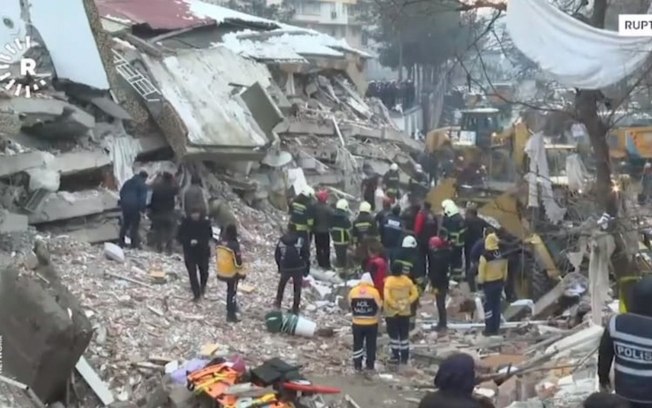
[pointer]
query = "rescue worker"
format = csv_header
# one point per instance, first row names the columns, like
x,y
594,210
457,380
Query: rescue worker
x,y
627,342
133,201
368,187
409,216
425,227
455,381
366,304
439,274
418,185
162,213
377,266
229,269
293,262
340,231
221,214
364,231
400,293
475,228
453,230
194,199
392,182
392,233
302,215
380,216
323,216
492,274
407,257
194,235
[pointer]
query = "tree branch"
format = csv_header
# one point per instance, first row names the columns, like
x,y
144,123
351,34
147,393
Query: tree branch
x,y
465,6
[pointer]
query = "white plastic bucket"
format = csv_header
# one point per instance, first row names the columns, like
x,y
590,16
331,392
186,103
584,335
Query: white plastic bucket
x,y
305,327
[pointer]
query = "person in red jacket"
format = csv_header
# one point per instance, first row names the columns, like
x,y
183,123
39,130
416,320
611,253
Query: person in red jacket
x,y
377,267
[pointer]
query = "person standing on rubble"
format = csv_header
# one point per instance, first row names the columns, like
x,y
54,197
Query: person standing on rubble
x,y
364,231
400,294
323,216
302,215
408,257
418,185
163,216
627,342
193,198
366,303
340,231
384,212
293,262
475,231
133,202
220,212
392,182
453,230
392,233
492,274
439,273
377,266
194,235
229,269
425,227
369,186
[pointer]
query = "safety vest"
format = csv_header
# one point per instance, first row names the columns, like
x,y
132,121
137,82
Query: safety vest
x,y
365,304
225,263
300,216
632,339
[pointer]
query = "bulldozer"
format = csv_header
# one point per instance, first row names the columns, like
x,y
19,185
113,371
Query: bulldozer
x,y
630,147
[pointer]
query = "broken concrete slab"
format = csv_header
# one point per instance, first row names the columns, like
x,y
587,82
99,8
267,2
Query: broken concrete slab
x,y
12,164
64,205
96,234
42,326
80,161
10,222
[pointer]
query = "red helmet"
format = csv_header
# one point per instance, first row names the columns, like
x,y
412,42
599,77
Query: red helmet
x,y
436,243
322,196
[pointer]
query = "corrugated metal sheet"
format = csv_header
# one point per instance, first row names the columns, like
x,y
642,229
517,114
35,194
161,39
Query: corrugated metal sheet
x,y
196,83
158,14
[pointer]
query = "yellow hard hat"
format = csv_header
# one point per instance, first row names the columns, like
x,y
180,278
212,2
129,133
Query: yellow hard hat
x,y
491,242
365,207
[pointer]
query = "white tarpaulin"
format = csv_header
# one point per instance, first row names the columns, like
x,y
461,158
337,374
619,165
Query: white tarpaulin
x,y
602,246
576,172
539,175
577,54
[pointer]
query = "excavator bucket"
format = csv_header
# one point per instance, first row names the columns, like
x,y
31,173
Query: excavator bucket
x,y
447,188
506,211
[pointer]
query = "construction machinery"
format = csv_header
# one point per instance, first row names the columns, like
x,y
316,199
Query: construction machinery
x,y
630,147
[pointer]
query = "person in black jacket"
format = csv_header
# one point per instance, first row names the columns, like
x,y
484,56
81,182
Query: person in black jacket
x,y
455,381
392,233
605,400
323,215
293,262
627,339
384,212
133,201
194,235
475,230
439,273
162,212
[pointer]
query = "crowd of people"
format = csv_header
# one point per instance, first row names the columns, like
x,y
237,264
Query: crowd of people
x,y
399,252
393,93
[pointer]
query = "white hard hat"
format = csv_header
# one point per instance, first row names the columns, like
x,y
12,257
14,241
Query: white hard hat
x,y
450,208
409,242
308,191
365,207
648,165
418,167
393,167
342,204
447,203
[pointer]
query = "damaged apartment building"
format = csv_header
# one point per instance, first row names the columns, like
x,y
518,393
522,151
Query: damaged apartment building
x,y
261,105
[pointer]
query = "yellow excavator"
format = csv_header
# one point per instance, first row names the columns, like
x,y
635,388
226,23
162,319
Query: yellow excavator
x,y
630,147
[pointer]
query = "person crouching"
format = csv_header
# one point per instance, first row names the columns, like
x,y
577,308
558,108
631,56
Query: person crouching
x,y
195,234
229,269
366,304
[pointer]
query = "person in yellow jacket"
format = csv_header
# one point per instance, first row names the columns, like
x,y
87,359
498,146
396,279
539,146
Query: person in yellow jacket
x,y
229,268
400,293
492,274
366,303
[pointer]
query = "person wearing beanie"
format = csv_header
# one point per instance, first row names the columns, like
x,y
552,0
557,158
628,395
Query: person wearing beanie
x,y
365,303
455,381
400,294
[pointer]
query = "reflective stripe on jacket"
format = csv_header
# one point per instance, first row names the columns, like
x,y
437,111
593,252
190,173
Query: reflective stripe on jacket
x,y
632,338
